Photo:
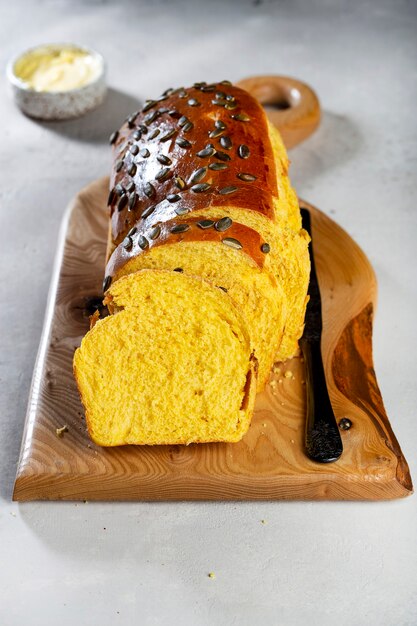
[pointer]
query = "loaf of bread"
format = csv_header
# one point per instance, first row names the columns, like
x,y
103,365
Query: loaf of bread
x,y
199,188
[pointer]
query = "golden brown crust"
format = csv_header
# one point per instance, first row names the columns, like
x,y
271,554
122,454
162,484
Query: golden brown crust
x,y
237,236
151,168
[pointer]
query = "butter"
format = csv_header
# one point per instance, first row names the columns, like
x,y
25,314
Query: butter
x,y
56,69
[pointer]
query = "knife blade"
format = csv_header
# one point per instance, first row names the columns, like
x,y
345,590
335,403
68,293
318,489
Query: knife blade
x,y
323,442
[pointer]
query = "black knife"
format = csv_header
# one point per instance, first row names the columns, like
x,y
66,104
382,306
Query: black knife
x,y
323,443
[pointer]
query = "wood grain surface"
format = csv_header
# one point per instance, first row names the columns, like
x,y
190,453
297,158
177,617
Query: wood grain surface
x,y
291,105
269,463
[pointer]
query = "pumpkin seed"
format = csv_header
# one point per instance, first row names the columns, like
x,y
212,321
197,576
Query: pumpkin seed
x,y
113,137
243,151
162,158
154,133
226,190
222,156
119,166
215,133
131,170
187,127
147,212
232,243
110,197
223,224
131,187
137,135
168,135
248,178
197,175
182,210
163,174
265,248
241,117
151,117
204,224
220,125
134,149
226,142
143,242
193,102
154,232
144,153
180,228
201,187
133,198
178,269
218,166
220,102
127,243
148,105
180,182
149,190
182,143
107,282
208,151
122,203
132,231
173,197
119,189
183,121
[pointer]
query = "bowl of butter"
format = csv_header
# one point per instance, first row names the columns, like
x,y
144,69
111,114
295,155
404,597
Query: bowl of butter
x,y
57,81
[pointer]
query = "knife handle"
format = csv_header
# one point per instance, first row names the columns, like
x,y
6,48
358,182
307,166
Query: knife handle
x,y
323,442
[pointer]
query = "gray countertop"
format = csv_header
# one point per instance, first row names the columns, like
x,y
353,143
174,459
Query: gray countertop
x,y
310,563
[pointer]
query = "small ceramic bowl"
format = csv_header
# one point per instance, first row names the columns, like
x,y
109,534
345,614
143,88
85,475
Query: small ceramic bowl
x,y
58,105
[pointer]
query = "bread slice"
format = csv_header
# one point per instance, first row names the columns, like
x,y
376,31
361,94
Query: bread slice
x,y
172,365
206,252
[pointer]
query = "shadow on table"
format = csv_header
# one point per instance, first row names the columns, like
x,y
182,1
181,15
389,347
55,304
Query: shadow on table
x,y
97,126
337,141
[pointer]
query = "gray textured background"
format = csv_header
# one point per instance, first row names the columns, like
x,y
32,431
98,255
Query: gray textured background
x,y
312,563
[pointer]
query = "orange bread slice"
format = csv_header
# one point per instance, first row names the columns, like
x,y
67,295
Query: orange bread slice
x,y
172,365
231,258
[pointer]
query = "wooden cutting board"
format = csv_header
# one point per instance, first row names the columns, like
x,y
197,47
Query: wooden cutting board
x,y
270,462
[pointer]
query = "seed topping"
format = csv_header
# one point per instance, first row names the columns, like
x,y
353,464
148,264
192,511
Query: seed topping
x,y
180,228
223,224
226,190
204,224
232,243
243,151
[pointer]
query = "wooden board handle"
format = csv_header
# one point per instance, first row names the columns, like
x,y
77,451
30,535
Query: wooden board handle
x,y
292,106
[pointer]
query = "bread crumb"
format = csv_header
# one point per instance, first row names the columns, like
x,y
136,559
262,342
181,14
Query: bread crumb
x,y
60,431
264,425
280,380
12,514
273,383
263,521
292,441
211,575
289,374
